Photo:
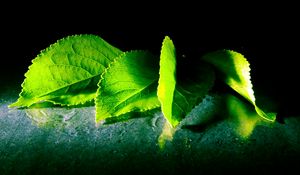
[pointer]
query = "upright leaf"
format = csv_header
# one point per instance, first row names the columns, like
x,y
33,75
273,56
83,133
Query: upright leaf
x,y
235,71
193,83
167,80
67,72
128,84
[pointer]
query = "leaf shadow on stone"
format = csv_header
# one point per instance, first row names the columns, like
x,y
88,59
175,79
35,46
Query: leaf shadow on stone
x,y
128,116
51,105
206,114
205,125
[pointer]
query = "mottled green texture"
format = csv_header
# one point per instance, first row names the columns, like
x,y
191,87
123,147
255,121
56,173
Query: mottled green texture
x,y
178,99
128,84
67,72
235,70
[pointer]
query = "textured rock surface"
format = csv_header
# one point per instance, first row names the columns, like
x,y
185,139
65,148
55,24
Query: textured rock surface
x,y
66,141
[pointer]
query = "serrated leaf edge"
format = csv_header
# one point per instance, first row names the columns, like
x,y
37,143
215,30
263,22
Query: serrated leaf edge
x,y
117,59
39,56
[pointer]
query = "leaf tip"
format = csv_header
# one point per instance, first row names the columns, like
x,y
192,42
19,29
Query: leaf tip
x,y
267,116
18,103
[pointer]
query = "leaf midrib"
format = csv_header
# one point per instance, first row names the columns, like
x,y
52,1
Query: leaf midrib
x,y
131,96
47,93
55,64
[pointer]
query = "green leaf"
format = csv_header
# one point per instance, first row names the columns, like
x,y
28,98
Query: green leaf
x,y
235,71
67,72
167,80
128,84
194,82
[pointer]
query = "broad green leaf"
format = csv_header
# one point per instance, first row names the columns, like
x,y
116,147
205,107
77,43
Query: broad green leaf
x,y
67,72
128,84
235,70
193,83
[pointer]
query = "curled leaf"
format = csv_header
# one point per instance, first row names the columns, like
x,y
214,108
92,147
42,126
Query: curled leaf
x,y
235,71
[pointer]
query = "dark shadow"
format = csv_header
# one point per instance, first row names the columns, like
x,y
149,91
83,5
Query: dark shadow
x,y
287,110
282,96
205,125
129,116
210,115
223,111
51,105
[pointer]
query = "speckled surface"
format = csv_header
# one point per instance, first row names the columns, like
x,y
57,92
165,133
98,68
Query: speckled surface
x,y
67,141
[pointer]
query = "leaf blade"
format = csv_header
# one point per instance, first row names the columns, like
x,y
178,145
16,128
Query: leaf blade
x,y
127,85
178,99
167,80
66,71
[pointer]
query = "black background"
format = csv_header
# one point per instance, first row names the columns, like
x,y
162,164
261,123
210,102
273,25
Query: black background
x,y
266,34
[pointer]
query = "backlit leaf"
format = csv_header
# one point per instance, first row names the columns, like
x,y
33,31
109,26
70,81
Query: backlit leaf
x,y
193,83
235,71
67,72
128,84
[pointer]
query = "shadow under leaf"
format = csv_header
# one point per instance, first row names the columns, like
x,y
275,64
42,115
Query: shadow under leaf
x,y
46,104
207,113
128,116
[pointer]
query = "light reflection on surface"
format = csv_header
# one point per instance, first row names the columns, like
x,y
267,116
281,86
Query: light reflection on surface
x,y
49,116
243,116
166,135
